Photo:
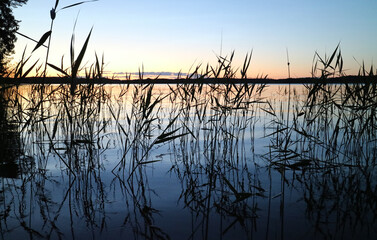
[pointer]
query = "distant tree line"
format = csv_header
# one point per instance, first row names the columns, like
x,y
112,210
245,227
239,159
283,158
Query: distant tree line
x,y
8,28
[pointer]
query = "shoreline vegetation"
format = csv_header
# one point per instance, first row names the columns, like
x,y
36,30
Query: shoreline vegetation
x,y
308,80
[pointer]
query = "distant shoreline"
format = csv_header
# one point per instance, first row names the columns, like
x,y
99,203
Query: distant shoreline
x,y
64,80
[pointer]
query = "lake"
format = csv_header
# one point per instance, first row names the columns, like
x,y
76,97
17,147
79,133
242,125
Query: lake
x,y
188,161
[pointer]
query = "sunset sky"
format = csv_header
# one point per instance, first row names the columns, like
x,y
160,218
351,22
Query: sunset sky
x,y
172,36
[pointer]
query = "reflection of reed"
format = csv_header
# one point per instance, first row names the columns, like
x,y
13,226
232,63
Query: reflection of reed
x,y
335,126
85,159
10,145
141,213
341,202
69,132
330,146
212,163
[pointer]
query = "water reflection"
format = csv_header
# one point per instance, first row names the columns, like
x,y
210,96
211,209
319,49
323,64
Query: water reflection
x,y
9,140
198,161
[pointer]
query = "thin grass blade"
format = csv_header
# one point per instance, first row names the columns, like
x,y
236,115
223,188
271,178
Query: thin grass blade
x,y
58,69
29,70
76,4
170,138
42,40
81,56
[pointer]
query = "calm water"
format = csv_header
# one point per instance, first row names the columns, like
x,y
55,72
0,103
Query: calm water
x,y
188,162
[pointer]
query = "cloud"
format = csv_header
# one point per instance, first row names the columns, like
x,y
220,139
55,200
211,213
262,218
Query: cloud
x,y
150,74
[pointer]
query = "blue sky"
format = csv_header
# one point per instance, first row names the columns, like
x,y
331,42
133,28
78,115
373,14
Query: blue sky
x,y
172,36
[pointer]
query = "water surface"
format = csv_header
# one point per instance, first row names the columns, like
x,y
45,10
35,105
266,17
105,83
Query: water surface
x,y
188,162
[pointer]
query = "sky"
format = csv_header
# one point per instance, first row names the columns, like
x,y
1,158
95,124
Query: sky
x,y
175,36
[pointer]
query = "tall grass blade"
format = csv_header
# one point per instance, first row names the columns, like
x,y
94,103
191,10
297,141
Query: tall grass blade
x,y
42,40
58,69
170,138
98,69
164,135
332,56
76,4
78,61
55,128
29,70
371,73
31,39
